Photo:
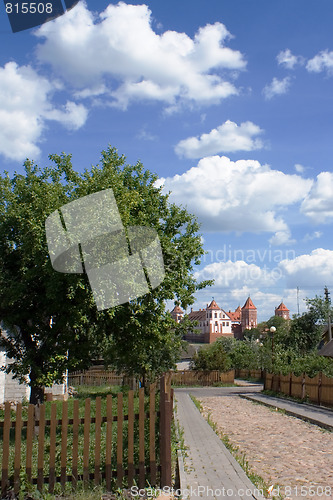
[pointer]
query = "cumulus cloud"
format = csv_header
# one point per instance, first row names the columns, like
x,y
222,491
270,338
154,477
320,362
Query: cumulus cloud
x,y
314,269
237,196
25,105
288,60
321,62
318,204
119,51
277,87
238,274
226,138
282,238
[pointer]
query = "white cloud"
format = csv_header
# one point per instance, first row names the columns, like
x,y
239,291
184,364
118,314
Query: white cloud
x,y
288,60
238,274
236,196
313,236
299,168
318,204
282,238
120,50
226,138
277,87
315,269
25,106
321,62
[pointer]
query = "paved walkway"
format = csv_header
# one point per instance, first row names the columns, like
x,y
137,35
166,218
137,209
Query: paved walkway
x,y
313,414
210,471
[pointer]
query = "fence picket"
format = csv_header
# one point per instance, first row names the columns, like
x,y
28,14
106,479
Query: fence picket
x,y
152,433
30,435
120,418
108,451
63,457
53,436
18,438
98,423
41,439
141,437
75,443
130,438
86,436
5,448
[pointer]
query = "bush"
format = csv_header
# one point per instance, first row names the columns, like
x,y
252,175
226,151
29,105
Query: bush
x,y
213,357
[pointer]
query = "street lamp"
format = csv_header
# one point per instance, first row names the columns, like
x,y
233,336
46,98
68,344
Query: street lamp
x,y
272,330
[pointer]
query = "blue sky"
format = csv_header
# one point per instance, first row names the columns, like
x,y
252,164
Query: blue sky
x,y
229,101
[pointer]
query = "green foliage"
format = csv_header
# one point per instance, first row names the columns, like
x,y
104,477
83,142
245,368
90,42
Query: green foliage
x,y
212,357
245,355
139,336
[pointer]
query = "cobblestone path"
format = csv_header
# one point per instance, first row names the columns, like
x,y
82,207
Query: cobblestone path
x,y
283,450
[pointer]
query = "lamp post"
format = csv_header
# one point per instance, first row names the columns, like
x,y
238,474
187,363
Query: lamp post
x,y
272,330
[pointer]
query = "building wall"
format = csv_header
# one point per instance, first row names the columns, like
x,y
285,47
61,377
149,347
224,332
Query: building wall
x,y
12,390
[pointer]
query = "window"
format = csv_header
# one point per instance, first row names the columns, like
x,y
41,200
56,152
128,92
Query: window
x,y
227,323
215,315
223,323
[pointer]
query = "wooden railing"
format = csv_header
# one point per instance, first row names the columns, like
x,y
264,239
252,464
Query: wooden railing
x,y
101,443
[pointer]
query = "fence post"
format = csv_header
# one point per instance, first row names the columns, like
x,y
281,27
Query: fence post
x,y
319,388
303,385
165,433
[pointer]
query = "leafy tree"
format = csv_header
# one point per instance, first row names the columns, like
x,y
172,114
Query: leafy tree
x,y
50,321
212,357
304,334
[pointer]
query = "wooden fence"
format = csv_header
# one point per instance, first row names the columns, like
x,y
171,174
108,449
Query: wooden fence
x,y
100,377
241,373
192,377
318,389
112,445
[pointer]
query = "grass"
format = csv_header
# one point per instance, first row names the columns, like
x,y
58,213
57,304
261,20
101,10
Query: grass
x,y
83,392
239,455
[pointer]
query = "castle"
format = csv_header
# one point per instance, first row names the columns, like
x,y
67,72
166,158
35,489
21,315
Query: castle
x,y
214,322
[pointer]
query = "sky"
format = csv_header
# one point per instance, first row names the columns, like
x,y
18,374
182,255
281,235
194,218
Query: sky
x,y
230,102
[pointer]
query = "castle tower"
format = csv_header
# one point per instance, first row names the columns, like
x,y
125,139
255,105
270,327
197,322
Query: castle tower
x,y
282,311
177,314
249,315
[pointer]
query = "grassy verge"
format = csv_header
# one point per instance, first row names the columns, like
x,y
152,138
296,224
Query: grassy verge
x,y
239,455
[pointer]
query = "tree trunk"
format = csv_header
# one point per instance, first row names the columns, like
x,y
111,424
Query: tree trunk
x,y
36,395
36,392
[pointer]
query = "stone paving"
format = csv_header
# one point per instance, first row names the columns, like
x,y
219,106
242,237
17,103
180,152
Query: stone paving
x,y
284,450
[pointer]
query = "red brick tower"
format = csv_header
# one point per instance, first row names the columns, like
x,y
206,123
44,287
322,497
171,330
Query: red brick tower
x,y
249,315
177,314
282,311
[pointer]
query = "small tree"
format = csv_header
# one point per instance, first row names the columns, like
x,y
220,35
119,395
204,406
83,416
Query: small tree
x,y
212,357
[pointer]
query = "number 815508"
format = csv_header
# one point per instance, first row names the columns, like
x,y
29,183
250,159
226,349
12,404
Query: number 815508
x,y
29,8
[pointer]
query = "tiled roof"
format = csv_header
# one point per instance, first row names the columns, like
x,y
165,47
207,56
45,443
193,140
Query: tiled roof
x,y
177,309
249,304
234,316
197,315
213,305
282,307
